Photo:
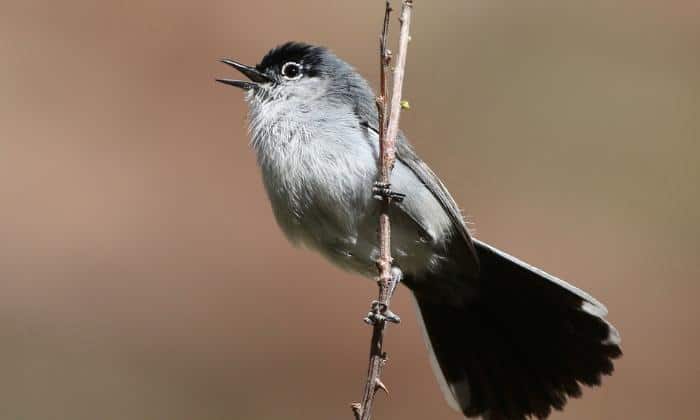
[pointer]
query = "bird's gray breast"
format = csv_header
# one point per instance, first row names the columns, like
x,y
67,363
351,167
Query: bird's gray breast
x,y
319,172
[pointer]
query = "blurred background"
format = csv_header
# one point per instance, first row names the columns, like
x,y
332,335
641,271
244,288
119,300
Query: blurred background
x,y
142,275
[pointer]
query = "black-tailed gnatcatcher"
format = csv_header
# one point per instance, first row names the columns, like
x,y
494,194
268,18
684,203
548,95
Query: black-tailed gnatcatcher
x,y
507,340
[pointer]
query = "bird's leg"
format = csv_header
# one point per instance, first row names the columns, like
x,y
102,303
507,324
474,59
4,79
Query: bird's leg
x,y
380,311
382,191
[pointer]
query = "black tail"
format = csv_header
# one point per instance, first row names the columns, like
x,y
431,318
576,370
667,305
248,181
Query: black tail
x,y
524,344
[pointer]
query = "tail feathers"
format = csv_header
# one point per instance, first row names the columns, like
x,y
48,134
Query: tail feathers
x,y
523,346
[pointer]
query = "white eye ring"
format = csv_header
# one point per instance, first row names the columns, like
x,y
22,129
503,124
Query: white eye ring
x,y
291,70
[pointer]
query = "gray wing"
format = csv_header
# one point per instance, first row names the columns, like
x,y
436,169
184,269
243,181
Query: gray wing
x,y
406,155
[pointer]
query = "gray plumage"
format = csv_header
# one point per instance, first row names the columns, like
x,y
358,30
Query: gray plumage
x,y
508,341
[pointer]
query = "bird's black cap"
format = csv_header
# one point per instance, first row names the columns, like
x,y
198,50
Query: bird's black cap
x,y
309,56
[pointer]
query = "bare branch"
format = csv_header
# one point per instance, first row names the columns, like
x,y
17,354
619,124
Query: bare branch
x,y
389,152
388,131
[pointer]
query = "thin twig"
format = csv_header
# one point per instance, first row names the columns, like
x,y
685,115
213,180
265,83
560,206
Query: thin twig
x,y
388,131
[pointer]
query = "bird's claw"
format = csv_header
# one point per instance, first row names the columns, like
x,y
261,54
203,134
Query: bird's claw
x,y
382,191
380,312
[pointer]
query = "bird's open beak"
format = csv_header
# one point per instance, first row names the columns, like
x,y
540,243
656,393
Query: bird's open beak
x,y
256,77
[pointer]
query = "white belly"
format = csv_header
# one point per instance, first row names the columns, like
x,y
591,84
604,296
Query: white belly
x,y
340,218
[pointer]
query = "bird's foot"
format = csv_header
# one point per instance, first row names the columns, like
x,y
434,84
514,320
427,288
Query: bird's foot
x,y
382,191
380,312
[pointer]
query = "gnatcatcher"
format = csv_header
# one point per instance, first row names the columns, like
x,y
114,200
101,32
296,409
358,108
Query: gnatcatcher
x,y
507,340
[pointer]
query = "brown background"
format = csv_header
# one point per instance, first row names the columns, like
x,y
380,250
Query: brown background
x,y
142,275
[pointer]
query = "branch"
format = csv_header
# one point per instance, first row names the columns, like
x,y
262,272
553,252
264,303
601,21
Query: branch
x,y
388,131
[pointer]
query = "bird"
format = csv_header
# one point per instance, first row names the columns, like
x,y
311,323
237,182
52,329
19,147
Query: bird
x,y
507,341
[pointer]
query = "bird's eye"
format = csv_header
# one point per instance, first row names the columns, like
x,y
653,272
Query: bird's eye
x,y
291,70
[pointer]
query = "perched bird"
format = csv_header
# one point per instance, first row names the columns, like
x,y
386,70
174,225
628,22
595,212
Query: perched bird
x,y
507,340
